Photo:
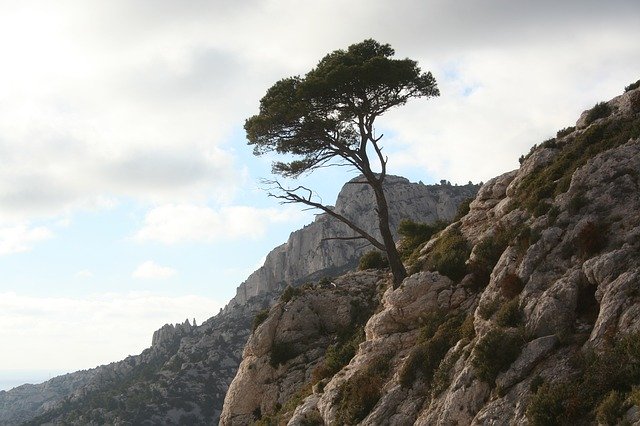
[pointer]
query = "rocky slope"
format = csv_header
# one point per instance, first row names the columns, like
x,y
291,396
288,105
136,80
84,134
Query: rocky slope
x,y
183,377
526,311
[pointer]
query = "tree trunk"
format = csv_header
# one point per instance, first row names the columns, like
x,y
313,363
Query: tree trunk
x,y
395,262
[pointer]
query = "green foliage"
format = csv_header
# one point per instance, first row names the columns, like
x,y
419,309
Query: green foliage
x,y
554,178
415,234
632,86
358,396
339,354
463,209
600,110
289,293
281,352
495,352
564,132
437,336
490,249
509,314
373,260
616,368
259,319
577,202
611,409
315,117
487,309
449,255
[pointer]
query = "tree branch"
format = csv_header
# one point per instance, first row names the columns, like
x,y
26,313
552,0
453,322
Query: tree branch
x,y
289,196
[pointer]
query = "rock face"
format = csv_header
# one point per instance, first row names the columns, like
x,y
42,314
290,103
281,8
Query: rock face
x,y
306,255
183,377
526,311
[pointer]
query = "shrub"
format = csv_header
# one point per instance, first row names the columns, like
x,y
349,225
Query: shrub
x,y
449,255
599,110
414,236
358,396
611,409
564,132
259,319
590,239
616,368
577,202
489,250
511,285
554,178
338,355
509,314
632,86
437,336
373,260
495,352
546,406
463,209
487,309
281,352
289,293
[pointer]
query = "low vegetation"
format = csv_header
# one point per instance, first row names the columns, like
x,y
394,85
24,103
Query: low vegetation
x,y
449,255
601,388
552,179
373,259
438,335
289,293
359,394
259,319
495,352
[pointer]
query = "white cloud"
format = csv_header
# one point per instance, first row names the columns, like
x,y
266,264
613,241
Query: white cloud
x,y
176,223
21,237
150,270
76,333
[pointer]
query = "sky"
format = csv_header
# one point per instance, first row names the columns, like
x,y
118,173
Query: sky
x,y
128,196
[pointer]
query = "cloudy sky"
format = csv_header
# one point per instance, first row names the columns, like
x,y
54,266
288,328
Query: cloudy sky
x,y
128,196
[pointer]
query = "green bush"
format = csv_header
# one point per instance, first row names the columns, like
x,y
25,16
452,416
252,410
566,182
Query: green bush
x,y
509,314
615,368
358,396
576,203
437,336
495,352
463,209
338,355
449,255
259,319
611,409
564,132
415,234
281,352
554,178
373,260
632,86
289,293
600,110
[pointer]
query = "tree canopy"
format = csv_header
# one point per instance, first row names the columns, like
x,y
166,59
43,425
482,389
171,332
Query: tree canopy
x,y
327,118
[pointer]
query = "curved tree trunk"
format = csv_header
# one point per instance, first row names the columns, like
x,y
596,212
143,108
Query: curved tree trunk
x,y
395,262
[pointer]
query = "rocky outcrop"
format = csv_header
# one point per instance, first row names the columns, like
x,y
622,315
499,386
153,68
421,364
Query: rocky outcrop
x,y
526,311
307,255
184,375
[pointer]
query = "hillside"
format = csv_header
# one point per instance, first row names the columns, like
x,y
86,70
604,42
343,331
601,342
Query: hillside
x,y
525,311
183,377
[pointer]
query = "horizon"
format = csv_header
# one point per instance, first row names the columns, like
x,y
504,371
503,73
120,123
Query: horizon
x,y
130,198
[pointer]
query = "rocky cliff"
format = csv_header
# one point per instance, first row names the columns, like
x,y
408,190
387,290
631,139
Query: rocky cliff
x,y
307,255
183,377
525,311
